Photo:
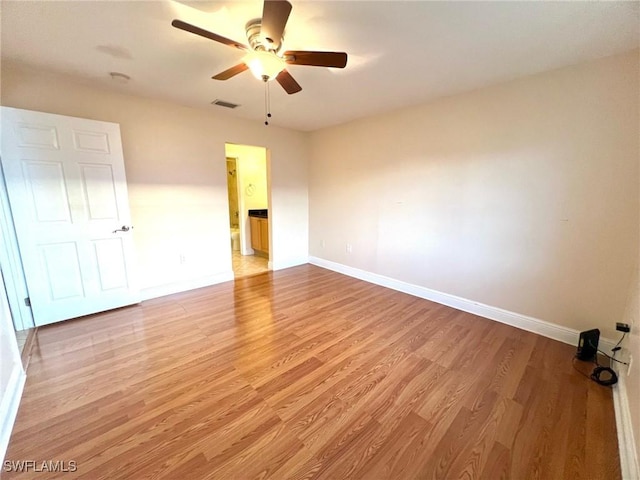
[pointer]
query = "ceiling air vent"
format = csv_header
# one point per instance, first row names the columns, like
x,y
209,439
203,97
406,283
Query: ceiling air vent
x,y
222,103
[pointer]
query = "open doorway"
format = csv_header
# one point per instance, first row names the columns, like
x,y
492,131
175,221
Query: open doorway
x,y
249,214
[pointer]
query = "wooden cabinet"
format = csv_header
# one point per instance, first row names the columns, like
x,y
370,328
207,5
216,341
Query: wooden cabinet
x,y
259,234
264,235
255,232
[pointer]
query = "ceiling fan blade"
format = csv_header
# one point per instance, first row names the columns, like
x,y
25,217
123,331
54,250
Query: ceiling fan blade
x,y
187,27
275,14
231,72
287,82
316,59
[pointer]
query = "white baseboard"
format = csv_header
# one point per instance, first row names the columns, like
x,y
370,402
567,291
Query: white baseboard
x,y
9,404
171,288
288,263
524,322
626,441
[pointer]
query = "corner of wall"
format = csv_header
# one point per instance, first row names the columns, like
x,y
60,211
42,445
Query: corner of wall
x,y
626,394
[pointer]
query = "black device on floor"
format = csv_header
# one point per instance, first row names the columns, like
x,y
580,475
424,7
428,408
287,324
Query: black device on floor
x,y
588,345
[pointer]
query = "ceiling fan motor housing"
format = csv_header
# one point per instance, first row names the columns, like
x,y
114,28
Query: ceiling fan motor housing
x,y
257,41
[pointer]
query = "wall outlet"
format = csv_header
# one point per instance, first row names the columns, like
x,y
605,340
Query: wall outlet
x,y
183,259
322,243
349,248
622,327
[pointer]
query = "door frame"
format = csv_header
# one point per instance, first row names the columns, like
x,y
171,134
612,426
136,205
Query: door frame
x,y
245,235
241,225
11,264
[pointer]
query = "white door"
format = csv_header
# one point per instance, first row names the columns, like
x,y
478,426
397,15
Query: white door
x,y
68,193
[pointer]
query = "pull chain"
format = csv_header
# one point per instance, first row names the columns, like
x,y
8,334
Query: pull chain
x,y
267,100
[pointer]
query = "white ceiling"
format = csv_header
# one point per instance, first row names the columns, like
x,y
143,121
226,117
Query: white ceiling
x,y
400,52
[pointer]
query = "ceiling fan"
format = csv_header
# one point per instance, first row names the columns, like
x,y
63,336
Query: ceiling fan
x,y
263,58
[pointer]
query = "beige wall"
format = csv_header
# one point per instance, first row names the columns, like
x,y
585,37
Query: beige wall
x,y
175,164
522,196
251,163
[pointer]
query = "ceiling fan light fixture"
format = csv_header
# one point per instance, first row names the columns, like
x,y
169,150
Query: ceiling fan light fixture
x,y
262,57
264,64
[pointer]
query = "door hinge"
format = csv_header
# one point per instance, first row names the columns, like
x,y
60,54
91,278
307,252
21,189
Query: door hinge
x,y
27,302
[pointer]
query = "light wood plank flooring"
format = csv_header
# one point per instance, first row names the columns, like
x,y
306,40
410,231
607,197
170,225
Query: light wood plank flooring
x,y
305,373
246,265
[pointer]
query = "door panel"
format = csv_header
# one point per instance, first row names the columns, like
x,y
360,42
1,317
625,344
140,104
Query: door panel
x,y
112,270
97,183
47,189
66,183
264,235
91,141
255,233
62,266
37,136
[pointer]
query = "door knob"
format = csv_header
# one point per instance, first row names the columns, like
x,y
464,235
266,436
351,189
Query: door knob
x,y
124,228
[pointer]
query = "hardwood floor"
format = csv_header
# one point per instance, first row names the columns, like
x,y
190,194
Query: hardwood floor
x,y
246,265
305,373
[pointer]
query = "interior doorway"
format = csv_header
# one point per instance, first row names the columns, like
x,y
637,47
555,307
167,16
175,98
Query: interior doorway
x,y
249,213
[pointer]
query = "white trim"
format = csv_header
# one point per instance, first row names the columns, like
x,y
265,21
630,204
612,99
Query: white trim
x,y
9,406
11,264
624,426
288,263
171,288
523,322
